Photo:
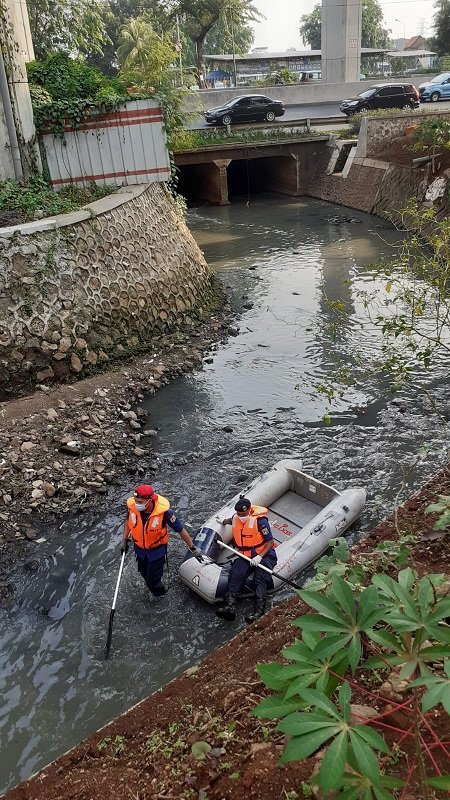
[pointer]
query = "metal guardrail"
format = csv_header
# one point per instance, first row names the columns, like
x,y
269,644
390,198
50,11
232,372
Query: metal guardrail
x,y
305,122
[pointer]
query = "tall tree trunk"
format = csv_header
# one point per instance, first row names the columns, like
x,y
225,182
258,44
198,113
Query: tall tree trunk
x,y
199,61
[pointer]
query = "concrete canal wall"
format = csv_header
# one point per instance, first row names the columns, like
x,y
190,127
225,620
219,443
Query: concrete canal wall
x,y
82,289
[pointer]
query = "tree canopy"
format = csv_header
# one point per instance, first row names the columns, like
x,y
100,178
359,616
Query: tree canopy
x,y
92,28
199,17
441,24
116,13
373,33
144,55
77,27
311,26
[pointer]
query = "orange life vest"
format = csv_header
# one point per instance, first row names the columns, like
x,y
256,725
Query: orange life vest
x,y
154,532
246,534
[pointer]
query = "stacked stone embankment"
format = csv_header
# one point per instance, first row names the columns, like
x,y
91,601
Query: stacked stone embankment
x,y
81,290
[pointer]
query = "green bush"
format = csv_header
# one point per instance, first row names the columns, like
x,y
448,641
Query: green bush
x,y
65,78
281,77
194,139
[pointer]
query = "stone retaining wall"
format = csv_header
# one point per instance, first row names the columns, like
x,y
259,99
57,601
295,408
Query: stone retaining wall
x,y
81,289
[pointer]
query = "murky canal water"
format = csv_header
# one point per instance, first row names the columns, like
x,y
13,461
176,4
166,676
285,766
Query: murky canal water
x,y
54,685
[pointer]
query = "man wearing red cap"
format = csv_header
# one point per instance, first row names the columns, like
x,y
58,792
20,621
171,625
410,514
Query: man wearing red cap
x,y
149,516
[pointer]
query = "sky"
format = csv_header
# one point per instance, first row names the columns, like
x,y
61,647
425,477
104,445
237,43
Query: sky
x,y
280,29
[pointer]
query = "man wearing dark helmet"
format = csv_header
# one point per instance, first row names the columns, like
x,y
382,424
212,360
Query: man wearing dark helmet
x,y
253,538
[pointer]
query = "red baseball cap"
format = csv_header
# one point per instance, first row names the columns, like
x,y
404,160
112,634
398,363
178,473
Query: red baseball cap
x,y
144,490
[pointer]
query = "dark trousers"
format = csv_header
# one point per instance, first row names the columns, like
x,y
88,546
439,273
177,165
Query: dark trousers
x,y
152,572
240,570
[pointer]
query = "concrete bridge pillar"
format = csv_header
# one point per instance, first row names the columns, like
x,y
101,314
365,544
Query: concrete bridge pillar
x,y
341,40
220,180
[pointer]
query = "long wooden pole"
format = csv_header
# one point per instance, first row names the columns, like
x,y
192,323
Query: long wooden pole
x,y
260,566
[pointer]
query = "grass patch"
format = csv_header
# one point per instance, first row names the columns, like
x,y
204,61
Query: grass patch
x,y
193,140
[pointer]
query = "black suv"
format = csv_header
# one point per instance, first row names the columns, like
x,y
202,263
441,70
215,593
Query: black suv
x,y
382,95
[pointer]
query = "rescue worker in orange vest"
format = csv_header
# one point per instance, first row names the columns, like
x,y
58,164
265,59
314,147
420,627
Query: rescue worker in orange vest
x,y
147,522
253,537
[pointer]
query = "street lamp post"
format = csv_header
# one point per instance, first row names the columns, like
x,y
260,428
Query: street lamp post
x,y
179,48
233,48
404,27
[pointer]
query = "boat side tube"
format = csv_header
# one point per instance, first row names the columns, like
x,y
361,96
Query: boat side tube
x,y
313,539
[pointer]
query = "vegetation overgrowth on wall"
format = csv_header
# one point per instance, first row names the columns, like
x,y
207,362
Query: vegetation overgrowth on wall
x,y
65,89
432,134
37,199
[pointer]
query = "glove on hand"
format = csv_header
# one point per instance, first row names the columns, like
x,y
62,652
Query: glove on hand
x,y
124,545
197,553
255,561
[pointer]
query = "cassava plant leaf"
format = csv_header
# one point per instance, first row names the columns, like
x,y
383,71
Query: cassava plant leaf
x,y
333,763
300,747
276,706
440,782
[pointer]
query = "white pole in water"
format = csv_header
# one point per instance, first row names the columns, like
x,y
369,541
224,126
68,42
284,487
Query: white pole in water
x,y
113,608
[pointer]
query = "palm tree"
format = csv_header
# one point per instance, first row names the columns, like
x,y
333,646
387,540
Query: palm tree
x,y
136,39
145,57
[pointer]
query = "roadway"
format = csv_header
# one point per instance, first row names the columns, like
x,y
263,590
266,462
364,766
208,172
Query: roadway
x,y
314,111
292,113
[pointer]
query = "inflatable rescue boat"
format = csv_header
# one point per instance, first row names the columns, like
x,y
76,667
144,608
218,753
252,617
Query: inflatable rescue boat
x,y
304,514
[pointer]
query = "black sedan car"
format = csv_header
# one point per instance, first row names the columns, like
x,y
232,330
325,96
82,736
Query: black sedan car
x,y
382,95
250,108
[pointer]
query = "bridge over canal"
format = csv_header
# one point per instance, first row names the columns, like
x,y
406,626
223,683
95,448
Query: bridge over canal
x,y
213,173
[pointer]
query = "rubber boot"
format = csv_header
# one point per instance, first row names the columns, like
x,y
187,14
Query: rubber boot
x,y
159,591
258,611
228,611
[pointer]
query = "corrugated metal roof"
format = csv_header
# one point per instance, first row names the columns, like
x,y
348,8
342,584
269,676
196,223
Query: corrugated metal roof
x,y
266,55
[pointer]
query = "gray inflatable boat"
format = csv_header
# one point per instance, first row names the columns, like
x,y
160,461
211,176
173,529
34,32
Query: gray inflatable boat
x,y
304,514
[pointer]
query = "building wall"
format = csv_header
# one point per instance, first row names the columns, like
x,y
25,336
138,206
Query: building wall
x,y
81,289
6,162
376,133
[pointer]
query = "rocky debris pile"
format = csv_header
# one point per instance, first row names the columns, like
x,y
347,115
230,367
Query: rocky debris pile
x,y
67,454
